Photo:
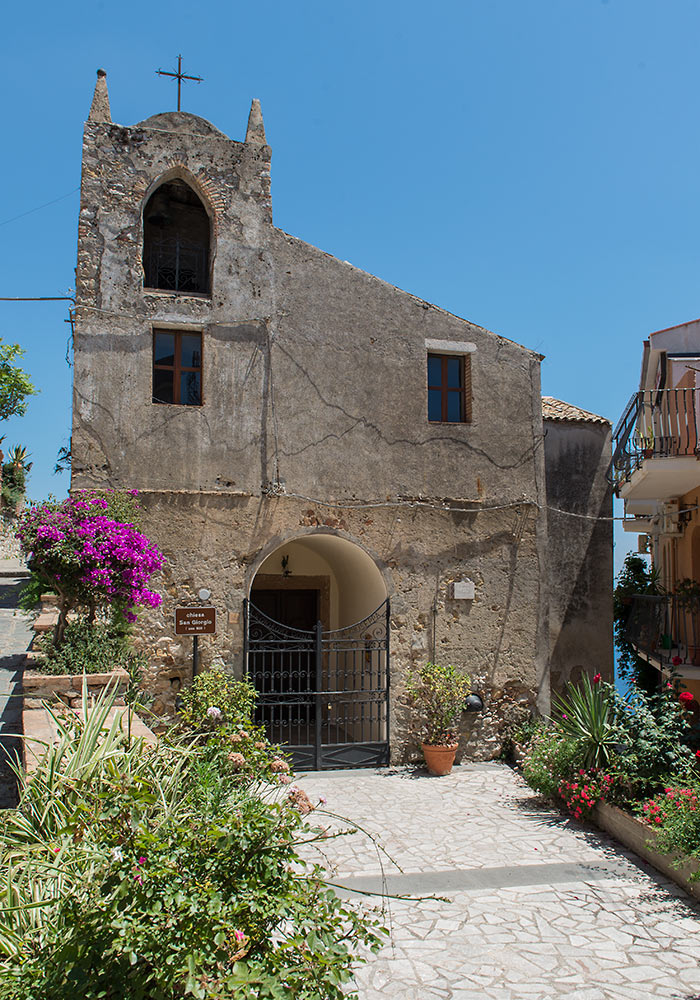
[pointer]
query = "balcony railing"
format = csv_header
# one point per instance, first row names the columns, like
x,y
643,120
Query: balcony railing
x,y
665,630
656,423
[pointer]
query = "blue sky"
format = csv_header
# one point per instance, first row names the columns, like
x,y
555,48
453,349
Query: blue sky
x,y
528,164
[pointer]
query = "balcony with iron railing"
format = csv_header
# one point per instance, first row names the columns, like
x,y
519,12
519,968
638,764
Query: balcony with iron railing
x,y
664,630
655,445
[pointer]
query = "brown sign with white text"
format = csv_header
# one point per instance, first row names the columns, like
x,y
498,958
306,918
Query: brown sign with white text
x,y
195,621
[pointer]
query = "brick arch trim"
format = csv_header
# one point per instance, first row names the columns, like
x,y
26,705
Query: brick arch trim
x,y
201,183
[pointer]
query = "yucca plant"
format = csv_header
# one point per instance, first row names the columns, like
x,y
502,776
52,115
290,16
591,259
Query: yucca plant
x,y
47,845
584,713
17,457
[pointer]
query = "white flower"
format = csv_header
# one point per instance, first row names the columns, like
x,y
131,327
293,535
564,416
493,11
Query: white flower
x,y
117,854
214,713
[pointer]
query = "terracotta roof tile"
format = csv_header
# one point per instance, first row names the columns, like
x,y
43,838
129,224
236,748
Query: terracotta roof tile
x,y
557,409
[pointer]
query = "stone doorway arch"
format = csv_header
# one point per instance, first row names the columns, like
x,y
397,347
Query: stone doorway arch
x,y
317,651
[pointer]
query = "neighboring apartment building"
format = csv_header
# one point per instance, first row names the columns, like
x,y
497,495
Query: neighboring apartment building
x,y
360,478
656,468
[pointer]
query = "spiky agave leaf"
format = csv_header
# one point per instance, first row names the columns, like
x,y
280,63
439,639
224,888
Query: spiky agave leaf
x,y
584,714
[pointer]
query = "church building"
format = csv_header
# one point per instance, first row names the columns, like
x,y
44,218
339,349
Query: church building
x,y
361,480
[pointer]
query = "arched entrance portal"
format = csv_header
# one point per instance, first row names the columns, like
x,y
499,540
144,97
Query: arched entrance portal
x,y
317,650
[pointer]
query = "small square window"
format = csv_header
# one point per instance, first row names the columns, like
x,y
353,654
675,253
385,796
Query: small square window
x,y
177,367
449,388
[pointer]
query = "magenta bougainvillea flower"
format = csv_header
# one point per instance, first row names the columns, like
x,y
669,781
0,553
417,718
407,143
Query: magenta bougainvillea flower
x,y
88,557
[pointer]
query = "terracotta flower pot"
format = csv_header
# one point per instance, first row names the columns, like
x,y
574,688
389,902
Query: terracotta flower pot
x,y
439,759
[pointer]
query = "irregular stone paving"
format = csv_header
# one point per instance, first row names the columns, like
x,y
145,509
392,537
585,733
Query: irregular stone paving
x,y
597,925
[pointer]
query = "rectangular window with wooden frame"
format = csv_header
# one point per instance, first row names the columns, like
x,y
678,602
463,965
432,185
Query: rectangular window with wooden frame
x,y
177,367
449,389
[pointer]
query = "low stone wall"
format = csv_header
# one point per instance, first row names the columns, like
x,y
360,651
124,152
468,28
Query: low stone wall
x,y
641,838
40,730
68,689
65,693
9,544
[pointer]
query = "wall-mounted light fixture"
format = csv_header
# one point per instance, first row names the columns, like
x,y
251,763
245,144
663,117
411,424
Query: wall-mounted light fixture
x,y
473,703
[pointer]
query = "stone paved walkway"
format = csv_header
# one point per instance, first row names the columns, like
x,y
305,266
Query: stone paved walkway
x,y
536,906
15,636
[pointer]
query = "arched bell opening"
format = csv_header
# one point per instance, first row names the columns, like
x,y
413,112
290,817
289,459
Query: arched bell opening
x,y
317,651
176,240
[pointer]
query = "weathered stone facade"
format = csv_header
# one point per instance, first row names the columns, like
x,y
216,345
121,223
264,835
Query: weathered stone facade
x,y
577,447
313,431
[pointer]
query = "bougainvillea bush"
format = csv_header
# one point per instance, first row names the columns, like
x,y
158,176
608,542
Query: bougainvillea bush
x,y
88,550
148,873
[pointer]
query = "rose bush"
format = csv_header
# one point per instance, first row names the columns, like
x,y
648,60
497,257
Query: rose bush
x,y
217,712
582,793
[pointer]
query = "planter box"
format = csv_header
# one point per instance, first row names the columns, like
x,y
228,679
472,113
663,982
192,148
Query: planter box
x,y
68,688
641,838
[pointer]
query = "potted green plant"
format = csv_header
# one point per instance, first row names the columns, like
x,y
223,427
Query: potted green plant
x,y
437,694
647,442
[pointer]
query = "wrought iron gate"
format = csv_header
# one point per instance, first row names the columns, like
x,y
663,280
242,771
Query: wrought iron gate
x,y
323,693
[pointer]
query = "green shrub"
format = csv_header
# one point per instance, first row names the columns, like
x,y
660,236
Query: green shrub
x,y
654,733
217,711
550,759
95,647
675,815
524,733
13,485
520,735
437,695
145,873
216,688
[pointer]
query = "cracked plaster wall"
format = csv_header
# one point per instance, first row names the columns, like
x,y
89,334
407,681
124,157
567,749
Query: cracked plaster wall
x,y
314,375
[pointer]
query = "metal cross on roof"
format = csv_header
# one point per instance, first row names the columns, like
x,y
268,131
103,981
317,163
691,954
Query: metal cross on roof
x,y
179,76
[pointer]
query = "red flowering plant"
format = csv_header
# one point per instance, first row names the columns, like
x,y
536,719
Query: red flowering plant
x,y
675,815
659,742
88,551
584,791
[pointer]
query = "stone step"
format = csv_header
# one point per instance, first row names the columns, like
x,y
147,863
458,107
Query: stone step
x,y
14,574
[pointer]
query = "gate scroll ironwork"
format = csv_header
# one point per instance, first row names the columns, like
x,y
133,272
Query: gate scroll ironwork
x,y
323,693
